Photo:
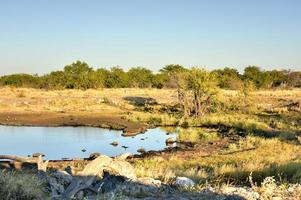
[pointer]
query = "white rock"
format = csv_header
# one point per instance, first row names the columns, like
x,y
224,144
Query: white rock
x,y
184,182
149,181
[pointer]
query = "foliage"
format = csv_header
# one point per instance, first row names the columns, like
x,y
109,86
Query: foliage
x,y
170,73
20,80
140,77
79,75
228,78
196,90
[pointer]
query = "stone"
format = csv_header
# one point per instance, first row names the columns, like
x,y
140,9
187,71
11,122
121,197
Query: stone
x,y
55,187
70,170
169,140
63,177
149,181
94,155
141,150
114,143
80,195
121,168
184,182
109,183
96,169
36,155
243,192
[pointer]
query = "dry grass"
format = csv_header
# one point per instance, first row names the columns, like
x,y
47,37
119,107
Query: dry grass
x,y
262,157
261,113
101,100
16,185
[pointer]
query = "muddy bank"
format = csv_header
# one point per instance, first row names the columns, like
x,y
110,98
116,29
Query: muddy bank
x,y
64,119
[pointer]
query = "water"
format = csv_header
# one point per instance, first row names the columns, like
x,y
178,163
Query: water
x,y
68,142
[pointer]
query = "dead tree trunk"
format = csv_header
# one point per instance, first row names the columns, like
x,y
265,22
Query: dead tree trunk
x,y
95,168
42,166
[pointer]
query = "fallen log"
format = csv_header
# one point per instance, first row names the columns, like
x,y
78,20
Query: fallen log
x,y
42,166
96,168
86,177
19,158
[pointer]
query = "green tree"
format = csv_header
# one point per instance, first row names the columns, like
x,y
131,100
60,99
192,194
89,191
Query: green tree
x,y
116,78
54,80
78,75
228,78
170,73
140,77
21,80
197,89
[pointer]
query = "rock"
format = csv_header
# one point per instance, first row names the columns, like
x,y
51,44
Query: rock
x,y
94,155
84,150
243,192
169,140
184,182
55,187
109,183
121,168
141,150
114,143
96,169
143,191
80,195
62,177
36,155
70,170
149,181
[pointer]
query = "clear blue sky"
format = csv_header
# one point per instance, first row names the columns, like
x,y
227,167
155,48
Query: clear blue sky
x,y
41,36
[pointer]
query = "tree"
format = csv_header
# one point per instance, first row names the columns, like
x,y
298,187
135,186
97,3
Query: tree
x,y
159,81
197,89
54,80
294,79
170,73
228,78
116,78
140,77
21,80
78,75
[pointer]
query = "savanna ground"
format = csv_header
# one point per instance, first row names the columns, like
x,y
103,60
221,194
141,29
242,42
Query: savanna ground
x,y
244,140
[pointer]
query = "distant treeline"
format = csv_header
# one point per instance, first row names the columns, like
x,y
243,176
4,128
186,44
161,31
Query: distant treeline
x,y
80,75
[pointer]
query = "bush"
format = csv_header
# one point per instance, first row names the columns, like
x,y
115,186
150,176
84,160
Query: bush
x,y
20,186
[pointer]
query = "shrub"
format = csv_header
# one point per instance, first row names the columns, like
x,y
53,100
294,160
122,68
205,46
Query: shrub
x,y
20,186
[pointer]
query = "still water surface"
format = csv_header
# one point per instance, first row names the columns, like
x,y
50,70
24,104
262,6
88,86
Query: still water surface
x,y
68,142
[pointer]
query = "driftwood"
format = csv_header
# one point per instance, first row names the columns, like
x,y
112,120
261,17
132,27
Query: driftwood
x,y
95,168
123,156
42,166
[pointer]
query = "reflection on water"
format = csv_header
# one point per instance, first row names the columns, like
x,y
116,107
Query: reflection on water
x,y
68,142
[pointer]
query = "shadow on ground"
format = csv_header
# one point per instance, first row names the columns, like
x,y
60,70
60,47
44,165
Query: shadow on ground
x,y
140,101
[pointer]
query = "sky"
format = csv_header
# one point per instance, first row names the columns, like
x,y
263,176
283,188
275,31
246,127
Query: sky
x,y
39,36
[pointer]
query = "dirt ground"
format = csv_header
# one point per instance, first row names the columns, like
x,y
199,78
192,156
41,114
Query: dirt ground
x,y
104,108
72,119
